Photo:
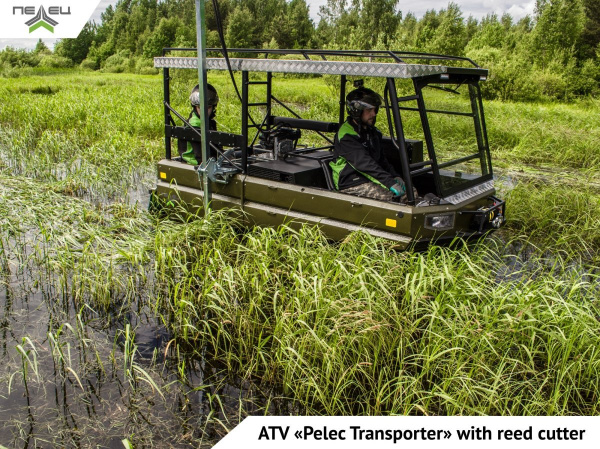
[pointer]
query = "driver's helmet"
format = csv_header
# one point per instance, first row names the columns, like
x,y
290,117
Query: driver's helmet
x,y
212,97
360,99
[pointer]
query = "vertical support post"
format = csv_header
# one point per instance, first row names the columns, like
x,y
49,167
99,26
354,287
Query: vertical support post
x,y
428,138
201,40
391,85
484,130
167,100
478,132
342,99
245,121
269,97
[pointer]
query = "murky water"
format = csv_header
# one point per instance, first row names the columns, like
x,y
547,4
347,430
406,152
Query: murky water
x,y
73,376
72,379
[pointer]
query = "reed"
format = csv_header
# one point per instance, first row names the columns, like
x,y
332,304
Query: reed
x,y
558,216
506,327
359,329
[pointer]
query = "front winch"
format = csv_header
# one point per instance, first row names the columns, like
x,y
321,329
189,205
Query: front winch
x,y
488,217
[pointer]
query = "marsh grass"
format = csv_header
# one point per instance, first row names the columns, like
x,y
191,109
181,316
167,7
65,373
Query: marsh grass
x,y
94,136
551,134
558,217
88,270
347,328
276,321
359,329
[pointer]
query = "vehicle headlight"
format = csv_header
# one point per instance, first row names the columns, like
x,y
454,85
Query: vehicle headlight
x,y
439,222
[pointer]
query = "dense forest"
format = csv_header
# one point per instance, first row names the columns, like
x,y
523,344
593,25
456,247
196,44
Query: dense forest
x,y
554,55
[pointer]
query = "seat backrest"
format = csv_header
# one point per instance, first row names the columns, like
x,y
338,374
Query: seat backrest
x,y
181,146
327,172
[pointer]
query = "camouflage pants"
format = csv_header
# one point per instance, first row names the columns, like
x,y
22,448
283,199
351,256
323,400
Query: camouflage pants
x,y
370,190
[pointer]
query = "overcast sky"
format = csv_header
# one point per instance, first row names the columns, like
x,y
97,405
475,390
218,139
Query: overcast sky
x,y
477,8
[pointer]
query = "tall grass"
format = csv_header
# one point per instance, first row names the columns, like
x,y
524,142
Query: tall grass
x,y
550,134
348,328
75,290
97,251
358,329
104,126
558,216
94,134
331,328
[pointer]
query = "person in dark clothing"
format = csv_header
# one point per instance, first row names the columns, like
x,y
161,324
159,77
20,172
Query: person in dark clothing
x,y
360,167
192,152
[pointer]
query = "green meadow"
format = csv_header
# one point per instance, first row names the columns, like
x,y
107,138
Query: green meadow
x,y
118,325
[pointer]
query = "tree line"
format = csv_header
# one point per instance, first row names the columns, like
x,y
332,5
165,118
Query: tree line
x,y
554,54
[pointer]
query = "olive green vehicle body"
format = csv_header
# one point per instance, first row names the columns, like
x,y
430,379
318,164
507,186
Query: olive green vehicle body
x,y
294,186
271,203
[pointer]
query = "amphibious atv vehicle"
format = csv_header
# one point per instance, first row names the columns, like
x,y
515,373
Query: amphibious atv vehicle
x,y
269,174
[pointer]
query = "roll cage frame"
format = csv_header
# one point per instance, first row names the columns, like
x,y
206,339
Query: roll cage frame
x,y
393,105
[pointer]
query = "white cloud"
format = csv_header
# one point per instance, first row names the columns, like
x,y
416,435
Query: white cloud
x,y
28,44
475,8
520,11
101,8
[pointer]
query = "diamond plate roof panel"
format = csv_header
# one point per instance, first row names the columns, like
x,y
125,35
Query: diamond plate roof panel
x,y
376,69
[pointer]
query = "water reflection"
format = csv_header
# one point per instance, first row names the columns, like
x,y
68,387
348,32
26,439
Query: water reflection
x,y
84,382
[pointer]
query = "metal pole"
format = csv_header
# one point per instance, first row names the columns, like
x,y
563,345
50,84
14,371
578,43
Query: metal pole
x,y
167,99
245,81
269,96
401,142
342,99
201,40
427,134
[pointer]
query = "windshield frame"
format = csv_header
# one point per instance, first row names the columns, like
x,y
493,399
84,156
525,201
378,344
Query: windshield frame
x,y
479,129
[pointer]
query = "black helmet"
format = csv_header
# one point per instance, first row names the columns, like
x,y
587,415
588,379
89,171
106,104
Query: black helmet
x,y
360,99
212,97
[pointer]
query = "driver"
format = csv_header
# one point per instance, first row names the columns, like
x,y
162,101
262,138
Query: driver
x,y
192,154
359,166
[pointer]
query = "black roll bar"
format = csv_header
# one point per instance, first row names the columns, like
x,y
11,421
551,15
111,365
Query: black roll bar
x,y
399,139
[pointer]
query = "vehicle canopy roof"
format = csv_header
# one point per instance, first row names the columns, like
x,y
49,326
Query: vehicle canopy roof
x,y
397,67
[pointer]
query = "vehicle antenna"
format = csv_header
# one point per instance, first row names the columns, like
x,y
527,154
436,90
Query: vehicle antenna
x,y
224,46
201,40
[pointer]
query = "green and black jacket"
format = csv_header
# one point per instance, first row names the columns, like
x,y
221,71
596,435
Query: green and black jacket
x,y
359,158
193,151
